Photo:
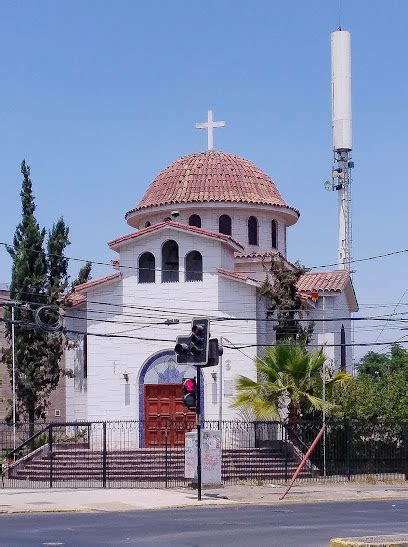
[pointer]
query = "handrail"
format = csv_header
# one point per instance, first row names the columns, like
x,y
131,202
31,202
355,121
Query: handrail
x,y
25,443
43,430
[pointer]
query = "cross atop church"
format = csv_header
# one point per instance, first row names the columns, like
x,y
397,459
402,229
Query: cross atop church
x,y
210,124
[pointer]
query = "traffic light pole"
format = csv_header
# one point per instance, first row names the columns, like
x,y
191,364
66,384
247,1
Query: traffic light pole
x,y
198,420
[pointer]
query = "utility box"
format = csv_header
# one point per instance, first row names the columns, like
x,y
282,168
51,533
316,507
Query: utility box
x,y
211,457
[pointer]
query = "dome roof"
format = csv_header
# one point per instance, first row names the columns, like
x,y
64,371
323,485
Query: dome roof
x,y
211,176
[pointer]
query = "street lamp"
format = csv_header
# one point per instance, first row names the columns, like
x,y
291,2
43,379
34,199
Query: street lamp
x,y
326,373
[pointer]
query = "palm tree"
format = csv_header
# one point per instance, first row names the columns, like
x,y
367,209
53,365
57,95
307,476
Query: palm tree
x,y
287,376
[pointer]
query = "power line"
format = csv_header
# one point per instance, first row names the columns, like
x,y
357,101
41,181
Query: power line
x,y
395,309
120,266
238,347
356,344
388,317
25,324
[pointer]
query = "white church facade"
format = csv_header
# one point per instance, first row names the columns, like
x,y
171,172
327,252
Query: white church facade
x,y
201,240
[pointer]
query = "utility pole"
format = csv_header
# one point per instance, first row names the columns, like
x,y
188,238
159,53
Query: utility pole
x,y
14,376
199,350
198,423
220,390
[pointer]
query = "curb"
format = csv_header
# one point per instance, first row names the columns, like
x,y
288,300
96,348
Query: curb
x,y
196,504
371,541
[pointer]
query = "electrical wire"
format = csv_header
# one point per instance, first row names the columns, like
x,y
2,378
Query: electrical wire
x,y
24,324
388,317
120,266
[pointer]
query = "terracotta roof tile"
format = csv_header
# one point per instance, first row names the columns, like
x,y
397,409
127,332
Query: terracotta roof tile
x,y
74,299
211,176
96,282
178,226
258,254
324,281
236,275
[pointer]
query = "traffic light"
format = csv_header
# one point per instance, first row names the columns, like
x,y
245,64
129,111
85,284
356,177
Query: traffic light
x,y
215,349
182,349
190,392
193,349
199,340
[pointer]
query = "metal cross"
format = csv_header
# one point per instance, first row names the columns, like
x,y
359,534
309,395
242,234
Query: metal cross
x,y
210,124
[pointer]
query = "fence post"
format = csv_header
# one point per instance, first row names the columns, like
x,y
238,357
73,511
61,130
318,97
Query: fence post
x,y
50,440
286,452
347,428
104,455
166,463
405,437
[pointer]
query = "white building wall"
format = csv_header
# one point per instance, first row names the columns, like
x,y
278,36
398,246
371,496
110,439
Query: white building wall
x,y
333,307
239,215
236,300
76,387
110,358
137,313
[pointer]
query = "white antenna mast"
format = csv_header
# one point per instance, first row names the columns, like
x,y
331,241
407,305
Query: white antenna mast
x,y
342,140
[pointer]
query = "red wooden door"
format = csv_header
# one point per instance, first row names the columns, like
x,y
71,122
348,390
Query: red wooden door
x,y
166,415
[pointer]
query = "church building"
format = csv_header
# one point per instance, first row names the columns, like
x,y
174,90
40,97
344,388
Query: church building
x,y
200,243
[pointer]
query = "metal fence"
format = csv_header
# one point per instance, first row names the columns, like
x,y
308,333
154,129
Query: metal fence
x,y
145,454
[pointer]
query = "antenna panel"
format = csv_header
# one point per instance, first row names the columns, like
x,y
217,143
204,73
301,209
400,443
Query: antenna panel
x,y
341,90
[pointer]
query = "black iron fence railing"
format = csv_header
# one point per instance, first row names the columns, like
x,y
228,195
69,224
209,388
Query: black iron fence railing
x,y
151,453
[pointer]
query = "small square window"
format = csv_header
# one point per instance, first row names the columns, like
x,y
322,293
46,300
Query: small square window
x,y
127,394
57,413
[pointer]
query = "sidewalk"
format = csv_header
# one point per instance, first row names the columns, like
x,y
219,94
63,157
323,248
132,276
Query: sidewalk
x,y
89,500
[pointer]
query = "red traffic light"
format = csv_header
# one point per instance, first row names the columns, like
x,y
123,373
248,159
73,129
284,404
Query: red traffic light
x,y
189,385
197,329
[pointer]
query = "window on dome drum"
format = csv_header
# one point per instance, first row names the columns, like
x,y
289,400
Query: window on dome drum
x,y
147,224
194,266
170,262
274,234
252,231
195,220
225,225
147,265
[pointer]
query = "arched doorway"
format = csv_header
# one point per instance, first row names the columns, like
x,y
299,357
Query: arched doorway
x,y
163,416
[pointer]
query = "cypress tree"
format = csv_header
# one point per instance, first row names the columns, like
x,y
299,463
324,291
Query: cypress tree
x,y
84,275
37,278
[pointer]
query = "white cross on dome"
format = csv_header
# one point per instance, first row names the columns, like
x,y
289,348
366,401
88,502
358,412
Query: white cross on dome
x,y
210,124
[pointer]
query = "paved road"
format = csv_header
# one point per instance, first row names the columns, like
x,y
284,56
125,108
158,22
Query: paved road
x,y
297,525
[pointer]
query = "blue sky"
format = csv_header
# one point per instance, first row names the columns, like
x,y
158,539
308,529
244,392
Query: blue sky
x,y
100,96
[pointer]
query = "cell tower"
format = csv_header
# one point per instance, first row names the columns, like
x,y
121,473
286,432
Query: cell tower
x,y
342,140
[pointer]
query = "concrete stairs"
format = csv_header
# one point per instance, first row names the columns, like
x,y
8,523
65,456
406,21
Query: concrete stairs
x,y
149,465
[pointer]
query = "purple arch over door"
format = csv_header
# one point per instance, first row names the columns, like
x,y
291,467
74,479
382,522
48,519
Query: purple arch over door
x,y
171,375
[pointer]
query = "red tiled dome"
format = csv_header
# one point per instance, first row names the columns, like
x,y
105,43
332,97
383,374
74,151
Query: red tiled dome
x,y
211,177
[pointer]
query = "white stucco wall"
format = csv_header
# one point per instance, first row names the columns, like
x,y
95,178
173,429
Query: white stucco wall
x,y
136,312
333,306
239,215
110,358
76,387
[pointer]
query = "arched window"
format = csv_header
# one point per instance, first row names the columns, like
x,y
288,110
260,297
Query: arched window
x,y
147,265
225,225
194,266
252,231
274,229
343,364
195,220
170,262
147,224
